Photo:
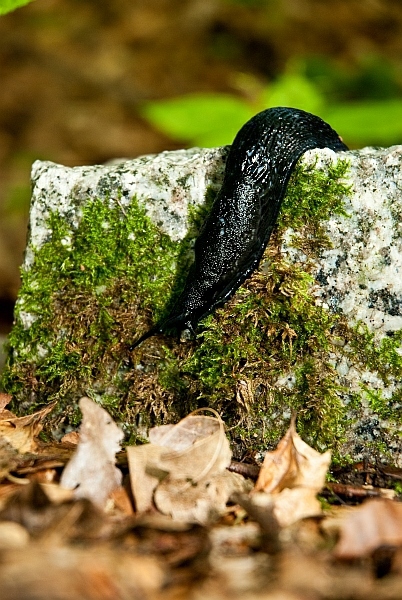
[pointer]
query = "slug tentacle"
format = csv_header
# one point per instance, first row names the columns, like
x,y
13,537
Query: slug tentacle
x,y
235,234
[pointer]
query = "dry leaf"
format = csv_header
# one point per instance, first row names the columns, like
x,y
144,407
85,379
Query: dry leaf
x,y
183,434
182,470
121,501
91,472
8,458
20,432
294,463
71,438
195,447
142,461
290,505
4,400
365,528
290,478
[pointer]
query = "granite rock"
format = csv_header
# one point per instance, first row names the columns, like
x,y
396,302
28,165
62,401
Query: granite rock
x,y
358,276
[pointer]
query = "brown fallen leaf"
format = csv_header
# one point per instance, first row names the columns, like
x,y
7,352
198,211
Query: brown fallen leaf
x,y
290,505
290,478
91,472
184,472
8,458
144,474
20,432
375,523
4,400
122,501
195,447
71,438
294,463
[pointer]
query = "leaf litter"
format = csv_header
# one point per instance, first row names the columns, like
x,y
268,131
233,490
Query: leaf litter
x,y
185,470
83,519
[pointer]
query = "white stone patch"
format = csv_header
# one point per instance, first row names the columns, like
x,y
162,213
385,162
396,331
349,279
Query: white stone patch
x,y
364,265
27,318
166,184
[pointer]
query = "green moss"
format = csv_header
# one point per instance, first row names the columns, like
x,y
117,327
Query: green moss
x,y
383,357
88,293
314,195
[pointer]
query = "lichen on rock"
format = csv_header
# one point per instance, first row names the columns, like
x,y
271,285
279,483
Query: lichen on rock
x,y
317,329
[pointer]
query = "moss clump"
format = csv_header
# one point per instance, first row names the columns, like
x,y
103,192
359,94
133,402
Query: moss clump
x,y
384,357
385,360
314,195
88,293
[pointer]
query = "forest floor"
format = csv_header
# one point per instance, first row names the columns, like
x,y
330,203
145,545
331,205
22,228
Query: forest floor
x,y
74,526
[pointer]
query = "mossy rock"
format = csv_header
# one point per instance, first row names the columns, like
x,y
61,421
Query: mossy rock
x,y
108,252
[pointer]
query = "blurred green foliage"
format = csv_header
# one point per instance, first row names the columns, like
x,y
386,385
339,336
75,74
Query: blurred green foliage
x,y
363,104
9,5
205,119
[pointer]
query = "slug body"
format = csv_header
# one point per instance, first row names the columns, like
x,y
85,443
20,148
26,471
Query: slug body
x,y
237,230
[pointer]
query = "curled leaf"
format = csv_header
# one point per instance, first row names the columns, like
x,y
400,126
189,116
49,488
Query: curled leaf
x,y
20,432
91,472
196,447
290,478
293,464
183,472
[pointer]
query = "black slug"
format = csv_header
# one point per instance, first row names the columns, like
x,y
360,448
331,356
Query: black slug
x,y
236,232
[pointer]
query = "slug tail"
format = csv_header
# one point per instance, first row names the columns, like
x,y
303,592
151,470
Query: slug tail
x,y
153,331
172,323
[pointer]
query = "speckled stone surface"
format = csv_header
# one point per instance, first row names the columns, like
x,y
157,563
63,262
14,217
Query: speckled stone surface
x,y
166,183
358,277
361,276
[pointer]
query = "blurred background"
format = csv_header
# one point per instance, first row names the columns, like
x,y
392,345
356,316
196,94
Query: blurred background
x,y
84,81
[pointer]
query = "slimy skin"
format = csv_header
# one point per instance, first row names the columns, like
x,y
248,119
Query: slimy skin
x,y
237,230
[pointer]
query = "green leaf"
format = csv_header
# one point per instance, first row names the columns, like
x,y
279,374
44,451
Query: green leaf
x,y
295,90
9,5
202,119
367,122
